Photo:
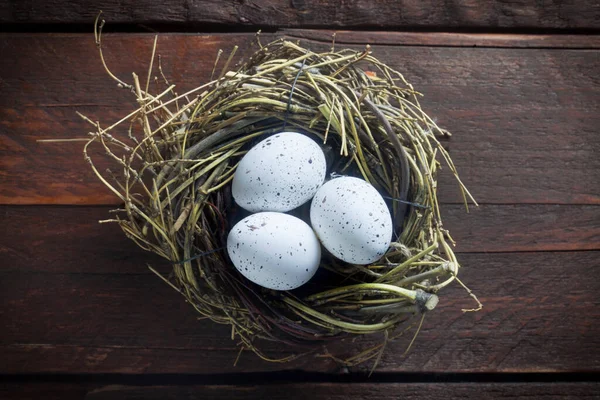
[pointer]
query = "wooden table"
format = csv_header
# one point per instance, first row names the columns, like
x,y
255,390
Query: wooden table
x,y
517,83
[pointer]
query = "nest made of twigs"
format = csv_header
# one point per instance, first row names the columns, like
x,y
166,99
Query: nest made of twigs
x,y
177,155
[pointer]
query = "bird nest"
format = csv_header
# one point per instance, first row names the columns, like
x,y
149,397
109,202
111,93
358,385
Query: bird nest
x,y
176,155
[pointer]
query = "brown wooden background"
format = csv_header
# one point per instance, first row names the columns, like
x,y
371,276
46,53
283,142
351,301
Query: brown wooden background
x,y
517,82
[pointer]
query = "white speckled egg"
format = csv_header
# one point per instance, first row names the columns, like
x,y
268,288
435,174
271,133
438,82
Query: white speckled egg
x,y
352,220
274,250
280,173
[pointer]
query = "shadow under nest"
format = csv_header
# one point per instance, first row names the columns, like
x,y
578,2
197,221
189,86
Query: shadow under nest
x,y
177,154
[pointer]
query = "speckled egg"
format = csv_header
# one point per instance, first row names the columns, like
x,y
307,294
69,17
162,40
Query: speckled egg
x,y
352,220
274,250
280,173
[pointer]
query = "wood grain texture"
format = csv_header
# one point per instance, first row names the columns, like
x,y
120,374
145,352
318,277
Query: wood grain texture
x,y
76,300
525,120
446,39
63,238
312,391
333,391
388,14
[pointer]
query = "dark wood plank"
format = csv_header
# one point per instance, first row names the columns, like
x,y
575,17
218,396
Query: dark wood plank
x,y
78,299
437,39
69,239
95,323
337,391
488,14
525,121
56,91
507,228
72,358
333,391
115,323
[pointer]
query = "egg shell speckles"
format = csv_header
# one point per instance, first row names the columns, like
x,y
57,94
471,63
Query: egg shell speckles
x,y
274,250
280,173
352,220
